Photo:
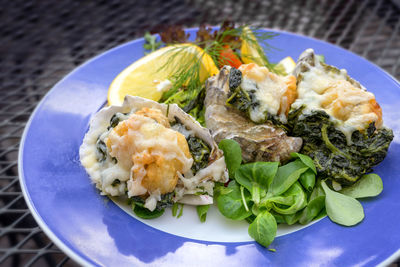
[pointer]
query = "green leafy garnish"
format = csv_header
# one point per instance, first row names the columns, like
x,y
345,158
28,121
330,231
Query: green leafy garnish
x,y
256,177
187,84
307,180
150,43
263,228
342,209
369,185
144,213
230,202
315,205
286,176
202,212
232,155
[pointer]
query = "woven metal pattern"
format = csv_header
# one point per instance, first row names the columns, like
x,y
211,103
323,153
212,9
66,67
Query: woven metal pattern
x,y
41,41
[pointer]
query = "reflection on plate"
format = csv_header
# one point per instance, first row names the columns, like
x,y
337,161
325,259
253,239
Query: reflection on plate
x,y
94,230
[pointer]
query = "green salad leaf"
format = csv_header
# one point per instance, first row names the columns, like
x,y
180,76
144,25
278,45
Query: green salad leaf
x,y
369,185
306,160
256,177
232,154
263,228
286,176
315,205
202,212
342,209
230,202
307,180
297,198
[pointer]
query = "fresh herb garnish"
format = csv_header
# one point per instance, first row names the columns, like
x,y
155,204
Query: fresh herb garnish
x,y
202,212
265,194
151,43
221,46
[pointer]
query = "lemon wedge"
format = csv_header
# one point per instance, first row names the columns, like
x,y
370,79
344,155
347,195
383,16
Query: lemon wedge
x,y
251,50
286,65
148,77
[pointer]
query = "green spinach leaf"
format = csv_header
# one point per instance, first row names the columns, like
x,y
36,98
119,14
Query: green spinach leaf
x,y
202,212
369,185
342,209
263,228
230,202
232,154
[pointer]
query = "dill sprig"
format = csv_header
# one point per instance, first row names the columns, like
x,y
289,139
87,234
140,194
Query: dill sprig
x,y
187,79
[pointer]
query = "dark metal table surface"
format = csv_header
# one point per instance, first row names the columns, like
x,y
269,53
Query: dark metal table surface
x,y
42,41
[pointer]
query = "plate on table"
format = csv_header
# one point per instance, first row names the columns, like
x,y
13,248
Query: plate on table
x,y
93,230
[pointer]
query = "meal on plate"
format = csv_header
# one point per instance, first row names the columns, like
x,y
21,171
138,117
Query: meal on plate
x,y
214,121
154,153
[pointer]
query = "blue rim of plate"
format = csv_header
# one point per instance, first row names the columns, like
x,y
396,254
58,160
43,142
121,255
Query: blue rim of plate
x,y
68,208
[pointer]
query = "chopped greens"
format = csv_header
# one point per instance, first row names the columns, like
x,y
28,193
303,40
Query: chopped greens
x,y
101,152
200,152
333,157
235,78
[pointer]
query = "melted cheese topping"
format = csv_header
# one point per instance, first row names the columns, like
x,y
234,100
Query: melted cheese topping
x,y
351,107
146,156
154,153
274,93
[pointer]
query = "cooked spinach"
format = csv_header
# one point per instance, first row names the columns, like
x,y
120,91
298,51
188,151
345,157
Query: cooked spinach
x,y
115,119
242,100
116,182
328,147
166,201
200,153
144,213
191,101
137,204
235,78
101,150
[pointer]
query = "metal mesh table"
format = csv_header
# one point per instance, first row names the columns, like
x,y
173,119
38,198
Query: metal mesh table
x,y
42,41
